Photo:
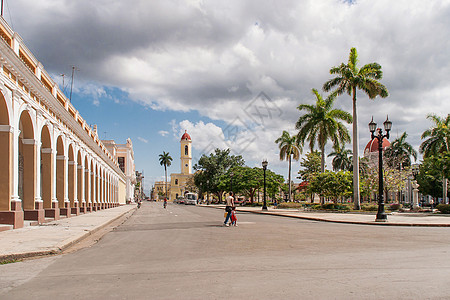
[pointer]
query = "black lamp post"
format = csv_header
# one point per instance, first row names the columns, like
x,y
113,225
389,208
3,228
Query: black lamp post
x,y
381,215
264,165
231,182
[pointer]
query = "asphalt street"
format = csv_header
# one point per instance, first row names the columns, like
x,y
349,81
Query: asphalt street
x,y
184,252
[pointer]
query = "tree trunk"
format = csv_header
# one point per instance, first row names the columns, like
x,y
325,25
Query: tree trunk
x,y
165,171
322,169
289,180
356,200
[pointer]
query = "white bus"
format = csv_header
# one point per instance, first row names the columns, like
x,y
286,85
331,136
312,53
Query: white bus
x,y
190,198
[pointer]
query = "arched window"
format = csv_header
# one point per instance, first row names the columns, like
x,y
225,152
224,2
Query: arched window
x,y
176,181
186,150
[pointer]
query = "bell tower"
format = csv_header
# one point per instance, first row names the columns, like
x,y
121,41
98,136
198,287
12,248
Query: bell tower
x,y
186,154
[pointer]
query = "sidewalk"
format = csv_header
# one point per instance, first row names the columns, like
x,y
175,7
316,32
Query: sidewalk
x,y
55,236
394,219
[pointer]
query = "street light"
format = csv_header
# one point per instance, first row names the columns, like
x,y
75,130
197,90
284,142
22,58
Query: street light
x,y
381,215
264,165
231,181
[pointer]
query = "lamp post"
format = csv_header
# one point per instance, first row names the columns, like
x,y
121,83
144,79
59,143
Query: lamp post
x,y
231,182
381,215
264,165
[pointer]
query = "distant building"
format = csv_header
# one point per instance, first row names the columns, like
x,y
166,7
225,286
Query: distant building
x,y
124,155
177,186
139,188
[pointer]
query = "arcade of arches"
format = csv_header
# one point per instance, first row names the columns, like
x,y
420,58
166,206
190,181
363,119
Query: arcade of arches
x,y
52,163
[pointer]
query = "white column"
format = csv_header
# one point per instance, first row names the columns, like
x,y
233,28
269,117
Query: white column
x,y
83,200
75,180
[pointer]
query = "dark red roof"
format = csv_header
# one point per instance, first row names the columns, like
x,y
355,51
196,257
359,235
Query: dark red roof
x,y
186,136
372,146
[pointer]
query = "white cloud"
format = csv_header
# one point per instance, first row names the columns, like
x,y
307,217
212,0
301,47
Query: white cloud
x,y
163,132
142,139
216,57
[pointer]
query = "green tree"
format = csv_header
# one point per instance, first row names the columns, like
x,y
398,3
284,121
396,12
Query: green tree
x,y
321,123
310,165
289,149
333,185
430,177
247,181
437,141
399,152
437,138
348,79
165,160
212,167
341,159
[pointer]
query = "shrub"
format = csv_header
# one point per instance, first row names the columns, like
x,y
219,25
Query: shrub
x,y
443,208
335,206
395,206
289,205
369,207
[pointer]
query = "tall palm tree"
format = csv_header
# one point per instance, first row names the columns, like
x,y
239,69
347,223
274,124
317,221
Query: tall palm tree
x,y
342,158
399,152
437,138
437,141
165,160
289,149
348,79
321,123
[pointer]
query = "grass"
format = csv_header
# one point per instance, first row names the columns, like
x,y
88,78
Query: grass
x,y
9,261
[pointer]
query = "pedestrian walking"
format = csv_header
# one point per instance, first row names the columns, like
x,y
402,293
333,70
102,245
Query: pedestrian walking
x,y
233,217
228,208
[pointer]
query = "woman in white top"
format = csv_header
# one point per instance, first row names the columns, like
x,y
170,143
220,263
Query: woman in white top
x,y
228,208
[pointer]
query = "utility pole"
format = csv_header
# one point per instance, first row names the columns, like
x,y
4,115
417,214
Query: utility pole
x,y
71,85
63,85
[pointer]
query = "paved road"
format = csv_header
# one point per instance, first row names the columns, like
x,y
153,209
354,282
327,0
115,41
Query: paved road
x,y
184,253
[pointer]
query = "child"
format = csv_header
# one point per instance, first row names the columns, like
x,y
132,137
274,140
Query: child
x,y
233,217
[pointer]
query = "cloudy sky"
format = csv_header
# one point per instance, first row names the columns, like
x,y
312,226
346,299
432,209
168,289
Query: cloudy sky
x,y
233,72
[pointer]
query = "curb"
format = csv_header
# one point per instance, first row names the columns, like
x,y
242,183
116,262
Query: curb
x,y
61,248
337,221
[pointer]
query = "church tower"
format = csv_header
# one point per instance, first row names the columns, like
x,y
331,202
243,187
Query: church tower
x,y
186,154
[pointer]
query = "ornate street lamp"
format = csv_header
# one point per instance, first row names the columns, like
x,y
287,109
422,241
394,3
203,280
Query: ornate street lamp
x,y
264,165
381,215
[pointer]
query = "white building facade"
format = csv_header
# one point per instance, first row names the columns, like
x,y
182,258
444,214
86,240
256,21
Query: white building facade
x,y
52,162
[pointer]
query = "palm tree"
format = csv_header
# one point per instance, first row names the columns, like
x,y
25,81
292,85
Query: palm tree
x,y
342,158
321,123
165,160
349,78
437,141
289,149
399,152
437,137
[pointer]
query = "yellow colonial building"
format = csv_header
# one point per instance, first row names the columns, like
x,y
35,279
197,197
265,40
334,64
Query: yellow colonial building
x,y
52,162
178,181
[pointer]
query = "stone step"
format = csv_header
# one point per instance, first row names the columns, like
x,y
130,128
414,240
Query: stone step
x,y
4,227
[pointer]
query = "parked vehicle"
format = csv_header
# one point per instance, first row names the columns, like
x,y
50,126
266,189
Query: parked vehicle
x,y
179,200
191,199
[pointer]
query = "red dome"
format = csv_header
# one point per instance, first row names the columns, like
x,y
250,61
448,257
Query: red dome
x,y
186,136
372,146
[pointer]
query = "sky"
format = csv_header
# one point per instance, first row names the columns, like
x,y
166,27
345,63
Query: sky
x,y
232,73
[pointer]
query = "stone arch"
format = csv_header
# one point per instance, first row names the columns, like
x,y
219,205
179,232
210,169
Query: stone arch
x,y
6,171
27,161
61,174
92,174
46,167
87,186
79,172
71,175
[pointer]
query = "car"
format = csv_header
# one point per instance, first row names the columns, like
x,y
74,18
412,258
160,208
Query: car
x,y
179,200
